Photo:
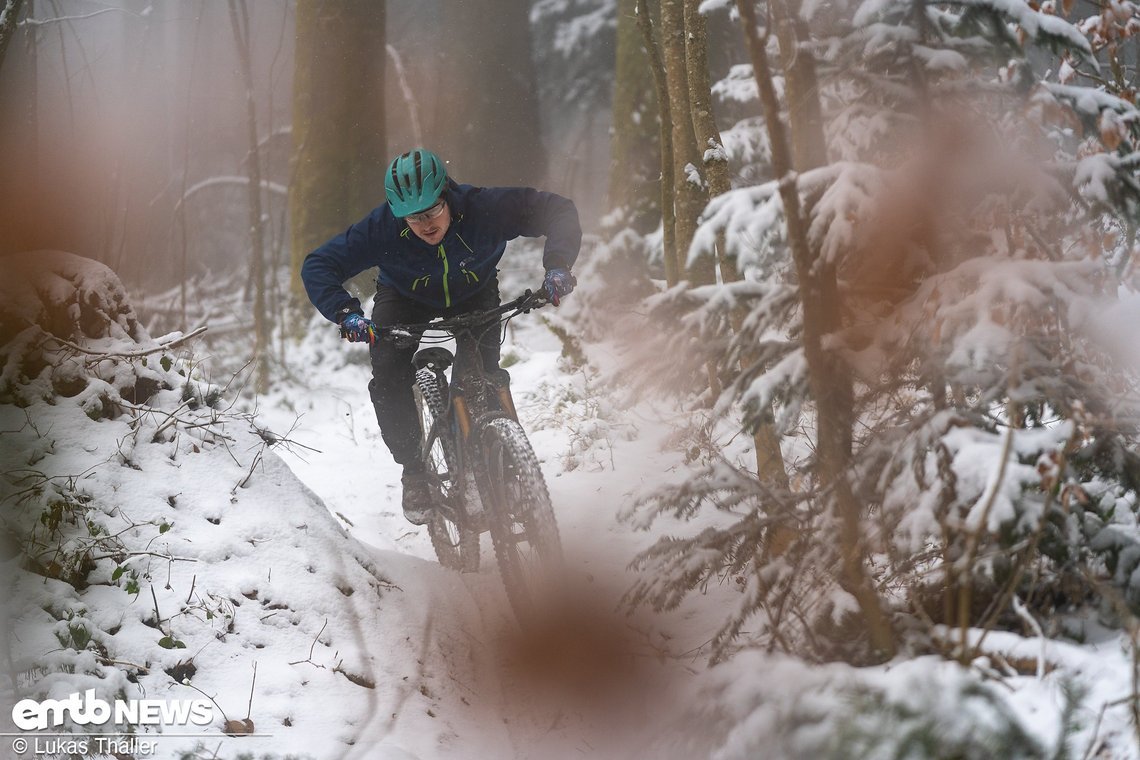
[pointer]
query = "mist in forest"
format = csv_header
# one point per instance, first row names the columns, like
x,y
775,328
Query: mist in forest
x,y
125,131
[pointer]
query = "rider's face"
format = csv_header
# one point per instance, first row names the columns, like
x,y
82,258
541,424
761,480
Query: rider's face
x,y
431,231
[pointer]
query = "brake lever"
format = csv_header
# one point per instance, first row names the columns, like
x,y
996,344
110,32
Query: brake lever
x,y
534,300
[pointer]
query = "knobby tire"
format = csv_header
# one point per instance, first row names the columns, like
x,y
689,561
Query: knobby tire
x,y
455,542
524,532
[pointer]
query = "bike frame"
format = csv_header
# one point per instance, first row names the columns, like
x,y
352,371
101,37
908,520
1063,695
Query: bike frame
x,y
474,395
479,455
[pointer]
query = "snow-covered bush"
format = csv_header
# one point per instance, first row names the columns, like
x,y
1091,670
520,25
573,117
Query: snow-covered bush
x,y
788,710
47,302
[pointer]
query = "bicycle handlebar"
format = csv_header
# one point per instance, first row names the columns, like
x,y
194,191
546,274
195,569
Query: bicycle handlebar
x,y
411,332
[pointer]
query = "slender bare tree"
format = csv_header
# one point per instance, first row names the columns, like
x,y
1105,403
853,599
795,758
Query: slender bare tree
x,y
239,23
714,163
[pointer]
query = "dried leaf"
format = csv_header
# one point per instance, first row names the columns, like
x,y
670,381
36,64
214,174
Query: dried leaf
x,y
238,727
1111,130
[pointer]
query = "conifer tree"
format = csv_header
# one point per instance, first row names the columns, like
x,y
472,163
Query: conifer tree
x,y
978,218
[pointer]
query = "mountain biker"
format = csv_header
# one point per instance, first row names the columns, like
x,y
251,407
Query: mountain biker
x,y
437,245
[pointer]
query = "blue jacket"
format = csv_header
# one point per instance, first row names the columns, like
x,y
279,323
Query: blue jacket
x,y
483,219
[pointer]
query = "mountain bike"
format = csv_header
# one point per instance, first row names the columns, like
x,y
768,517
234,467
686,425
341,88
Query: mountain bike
x,y
478,458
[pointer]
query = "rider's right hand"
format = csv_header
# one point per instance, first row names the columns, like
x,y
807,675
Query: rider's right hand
x,y
558,283
356,329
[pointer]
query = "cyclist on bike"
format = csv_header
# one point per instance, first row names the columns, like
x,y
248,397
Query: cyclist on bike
x,y
437,245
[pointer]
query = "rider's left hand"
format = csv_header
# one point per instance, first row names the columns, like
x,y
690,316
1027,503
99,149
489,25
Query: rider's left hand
x,y
558,283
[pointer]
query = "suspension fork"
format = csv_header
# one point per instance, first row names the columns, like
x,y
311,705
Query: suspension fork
x,y
506,401
464,378
473,386
462,415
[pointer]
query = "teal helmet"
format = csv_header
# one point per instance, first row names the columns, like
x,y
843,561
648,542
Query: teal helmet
x,y
414,182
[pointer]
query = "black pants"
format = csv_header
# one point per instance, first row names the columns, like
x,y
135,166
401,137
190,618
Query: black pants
x,y
393,372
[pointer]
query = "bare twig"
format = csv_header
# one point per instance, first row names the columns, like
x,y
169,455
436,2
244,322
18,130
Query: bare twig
x,y
157,614
225,718
313,646
252,684
160,555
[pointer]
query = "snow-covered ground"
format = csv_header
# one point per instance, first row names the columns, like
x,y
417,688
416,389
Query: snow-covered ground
x,y
288,579
594,457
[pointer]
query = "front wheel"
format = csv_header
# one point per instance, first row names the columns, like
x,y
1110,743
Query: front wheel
x,y
455,541
521,518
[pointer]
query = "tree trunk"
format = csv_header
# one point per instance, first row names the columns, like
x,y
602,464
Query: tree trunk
x,y
769,459
665,127
488,121
714,160
634,170
339,148
801,89
689,194
828,375
708,142
9,14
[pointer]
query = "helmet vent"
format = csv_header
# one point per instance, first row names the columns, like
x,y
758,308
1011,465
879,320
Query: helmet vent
x,y
396,183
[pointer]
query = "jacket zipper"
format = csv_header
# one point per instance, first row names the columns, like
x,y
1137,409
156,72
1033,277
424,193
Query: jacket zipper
x,y
446,289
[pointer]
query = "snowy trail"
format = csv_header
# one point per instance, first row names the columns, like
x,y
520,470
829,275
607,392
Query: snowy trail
x,y
473,679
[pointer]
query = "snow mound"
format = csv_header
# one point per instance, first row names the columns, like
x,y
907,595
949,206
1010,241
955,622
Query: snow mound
x,y
157,548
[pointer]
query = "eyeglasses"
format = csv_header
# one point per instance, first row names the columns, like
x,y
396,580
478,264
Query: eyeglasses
x,y
433,212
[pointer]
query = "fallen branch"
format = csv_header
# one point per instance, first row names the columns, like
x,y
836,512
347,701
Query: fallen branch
x,y
127,354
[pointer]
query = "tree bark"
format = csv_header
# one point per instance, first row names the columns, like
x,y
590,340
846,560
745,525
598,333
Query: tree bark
x,y
634,170
488,121
665,127
339,147
829,376
801,89
769,459
689,194
714,160
708,141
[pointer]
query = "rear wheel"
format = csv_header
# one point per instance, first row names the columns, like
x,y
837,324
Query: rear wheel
x,y
456,544
523,529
